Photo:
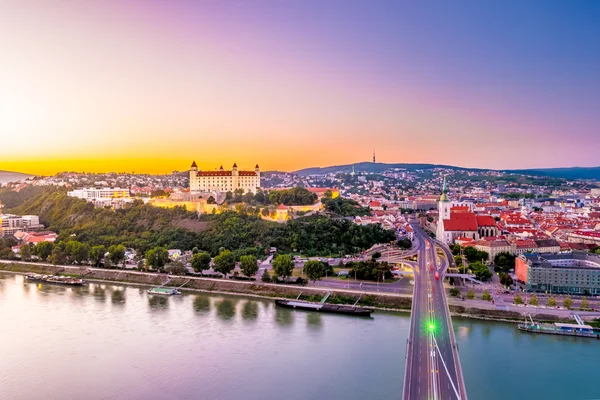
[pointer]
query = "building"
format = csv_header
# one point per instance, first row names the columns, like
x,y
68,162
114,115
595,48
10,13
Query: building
x,y
103,197
11,224
574,273
495,247
99,193
224,181
588,237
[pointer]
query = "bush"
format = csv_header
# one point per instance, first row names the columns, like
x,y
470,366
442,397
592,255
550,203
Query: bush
x,y
454,292
486,296
470,294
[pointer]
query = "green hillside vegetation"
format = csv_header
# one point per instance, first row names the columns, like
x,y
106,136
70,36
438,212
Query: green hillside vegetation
x,y
11,198
144,227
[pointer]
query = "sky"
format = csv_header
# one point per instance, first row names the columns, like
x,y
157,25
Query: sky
x,y
150,86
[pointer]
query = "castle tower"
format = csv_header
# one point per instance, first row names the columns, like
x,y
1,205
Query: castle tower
x,y
193,176
234,176
257,172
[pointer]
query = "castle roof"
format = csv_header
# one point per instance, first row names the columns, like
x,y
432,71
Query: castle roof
x,y
225,173
194,165
234,165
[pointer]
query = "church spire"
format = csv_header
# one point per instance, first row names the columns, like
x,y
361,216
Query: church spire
x,y
444,196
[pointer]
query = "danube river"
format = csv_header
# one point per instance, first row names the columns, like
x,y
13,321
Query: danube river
x,y
108,341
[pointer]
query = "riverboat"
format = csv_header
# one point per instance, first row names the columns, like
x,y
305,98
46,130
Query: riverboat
x,y
164,291
323,307
557,328
56,279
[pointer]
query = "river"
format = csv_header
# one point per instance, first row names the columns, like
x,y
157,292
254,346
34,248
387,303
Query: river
x,y
108,341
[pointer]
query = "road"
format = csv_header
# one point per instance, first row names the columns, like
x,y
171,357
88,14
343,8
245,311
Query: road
x,y
432,365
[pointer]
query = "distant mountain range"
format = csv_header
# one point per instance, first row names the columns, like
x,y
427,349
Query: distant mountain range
x,y
568,173
8,176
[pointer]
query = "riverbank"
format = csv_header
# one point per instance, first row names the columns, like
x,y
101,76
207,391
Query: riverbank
x,y
377,300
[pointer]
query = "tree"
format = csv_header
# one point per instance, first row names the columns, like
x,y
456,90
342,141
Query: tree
x,y
211,200
567,302
314,270
505,261
97,254
454,292
79,252
224,262
480,270
283,265
116,253
404,243
534,300
175,268
265,276
201,261
43,250
157,257
486,296
25,252
518,300
470,294
58,256
551,302
585,304
249,265
505,279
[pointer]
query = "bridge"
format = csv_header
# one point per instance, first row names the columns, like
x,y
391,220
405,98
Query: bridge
x,y
433,368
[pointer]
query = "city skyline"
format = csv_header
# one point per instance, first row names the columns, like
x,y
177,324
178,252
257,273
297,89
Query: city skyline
x,y
147,87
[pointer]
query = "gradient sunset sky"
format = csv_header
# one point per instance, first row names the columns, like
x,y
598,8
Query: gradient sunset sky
x,y
150,86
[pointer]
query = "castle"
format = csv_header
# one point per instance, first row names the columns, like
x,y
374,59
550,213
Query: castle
x,y
224,181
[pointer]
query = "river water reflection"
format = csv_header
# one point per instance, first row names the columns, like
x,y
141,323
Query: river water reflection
x,y
107,341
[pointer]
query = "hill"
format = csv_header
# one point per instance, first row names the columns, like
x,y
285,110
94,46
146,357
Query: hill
x,y
142,227
567,173
374,167
8,176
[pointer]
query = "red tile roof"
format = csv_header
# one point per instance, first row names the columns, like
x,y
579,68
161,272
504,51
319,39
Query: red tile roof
x,y
485,220
461,221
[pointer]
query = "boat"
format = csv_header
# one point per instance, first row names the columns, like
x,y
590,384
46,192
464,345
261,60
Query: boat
x,y
557,328
323,307
164,291
57,279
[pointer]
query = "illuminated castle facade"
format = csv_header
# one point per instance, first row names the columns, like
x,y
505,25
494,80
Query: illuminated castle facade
x,y
224,181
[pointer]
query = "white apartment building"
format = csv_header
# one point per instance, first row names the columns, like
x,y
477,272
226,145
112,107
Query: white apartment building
x,y
99,193
11,224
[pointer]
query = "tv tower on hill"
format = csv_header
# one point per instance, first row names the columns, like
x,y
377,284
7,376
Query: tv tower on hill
x,y
374,156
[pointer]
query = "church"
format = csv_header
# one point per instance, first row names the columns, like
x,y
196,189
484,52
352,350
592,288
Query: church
x,y
457,219
224,181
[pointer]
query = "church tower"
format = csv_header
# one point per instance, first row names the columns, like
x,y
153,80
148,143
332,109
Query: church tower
x,y
444,206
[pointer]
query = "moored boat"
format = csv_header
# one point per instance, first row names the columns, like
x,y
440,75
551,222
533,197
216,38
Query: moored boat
x,y
345,309
164,291
557,328
57,279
